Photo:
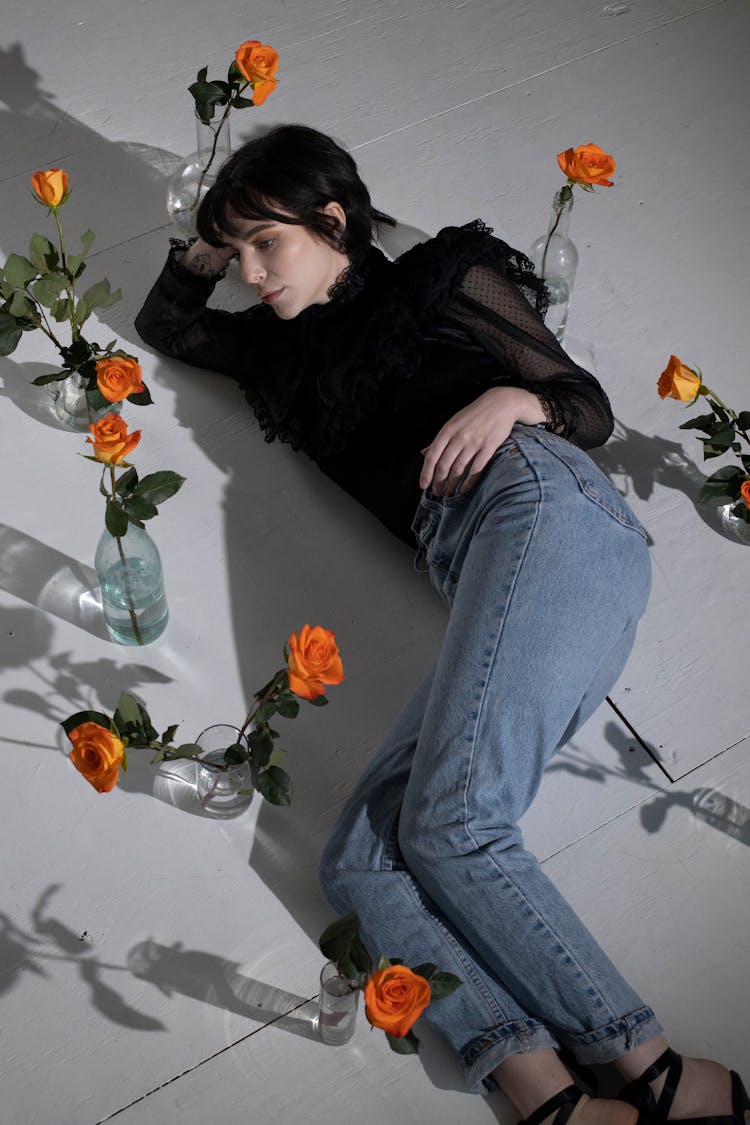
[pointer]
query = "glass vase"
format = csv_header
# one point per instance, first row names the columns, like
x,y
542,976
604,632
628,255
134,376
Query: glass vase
x,y
195,175
70,405
130,577
734,525
222,790
555,259
337,1006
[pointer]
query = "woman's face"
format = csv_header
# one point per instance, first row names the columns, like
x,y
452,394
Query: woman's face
x,y
290,267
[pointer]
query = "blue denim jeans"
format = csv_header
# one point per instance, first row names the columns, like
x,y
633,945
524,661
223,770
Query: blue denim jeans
x,y
545,572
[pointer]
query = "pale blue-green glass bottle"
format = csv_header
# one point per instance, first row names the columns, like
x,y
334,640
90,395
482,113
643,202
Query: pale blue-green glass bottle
x,y
131,581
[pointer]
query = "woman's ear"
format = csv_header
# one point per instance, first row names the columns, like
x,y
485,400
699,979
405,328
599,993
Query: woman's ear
x,y
337,212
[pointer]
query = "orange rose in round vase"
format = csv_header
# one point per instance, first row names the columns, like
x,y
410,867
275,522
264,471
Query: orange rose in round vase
x,y
111,440
395,999
97,754
313,660
119,376
587,164
678,381
258,63
51,187
745,492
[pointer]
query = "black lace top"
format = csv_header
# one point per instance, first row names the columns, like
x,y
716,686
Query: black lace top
x,y
364,382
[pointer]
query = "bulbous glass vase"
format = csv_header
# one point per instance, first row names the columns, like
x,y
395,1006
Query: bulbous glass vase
x,y
197,172
555,259
129,571
70,405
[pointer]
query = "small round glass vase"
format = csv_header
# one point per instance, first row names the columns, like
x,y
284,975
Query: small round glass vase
x,y
70,405
734,525
337,1006
222,790
197,172
129,572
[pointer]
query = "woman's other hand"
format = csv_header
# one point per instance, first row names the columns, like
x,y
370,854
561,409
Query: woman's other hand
x,y
205,260
472,436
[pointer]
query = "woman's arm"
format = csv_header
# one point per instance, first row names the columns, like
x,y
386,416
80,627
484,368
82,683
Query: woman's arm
x,y
175,320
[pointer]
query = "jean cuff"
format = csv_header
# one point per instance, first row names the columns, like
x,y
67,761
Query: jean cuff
x,y
480,1057
609,1042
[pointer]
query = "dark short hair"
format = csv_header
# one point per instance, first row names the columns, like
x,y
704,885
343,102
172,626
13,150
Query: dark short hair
x,y
292,170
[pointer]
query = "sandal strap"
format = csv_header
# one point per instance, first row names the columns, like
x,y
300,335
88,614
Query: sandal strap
x,y
565,1102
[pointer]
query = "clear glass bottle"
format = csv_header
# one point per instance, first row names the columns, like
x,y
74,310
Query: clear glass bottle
x,y
337,1006
129,571
222,790
555,258
195,175
70,405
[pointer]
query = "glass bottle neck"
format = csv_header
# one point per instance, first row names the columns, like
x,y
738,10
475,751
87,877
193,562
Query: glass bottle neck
x,y
209,135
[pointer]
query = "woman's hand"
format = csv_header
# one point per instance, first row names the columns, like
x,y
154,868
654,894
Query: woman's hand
x,y
471,437
205,260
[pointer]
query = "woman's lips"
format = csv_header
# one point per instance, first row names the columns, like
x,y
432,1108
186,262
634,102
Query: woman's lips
x,y
269,298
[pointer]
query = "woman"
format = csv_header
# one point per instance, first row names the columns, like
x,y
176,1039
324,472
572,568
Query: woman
x,y
430,390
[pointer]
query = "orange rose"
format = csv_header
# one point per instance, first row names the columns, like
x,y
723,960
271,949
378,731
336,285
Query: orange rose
x,y
745,492
119,376
395,999
97,754
678,381
587,164
51,186
111,440
258,63
313,661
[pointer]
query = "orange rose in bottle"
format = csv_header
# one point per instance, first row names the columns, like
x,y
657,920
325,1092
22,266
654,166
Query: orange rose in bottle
x,y
258,63
111,440
51,187
313,660
119,376
395,999
97,754
678,381
587,164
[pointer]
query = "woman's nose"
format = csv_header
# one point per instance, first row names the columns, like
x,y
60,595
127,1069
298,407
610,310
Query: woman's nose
x,y
251,270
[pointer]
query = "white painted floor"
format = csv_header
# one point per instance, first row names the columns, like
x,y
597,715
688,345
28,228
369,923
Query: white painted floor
x,y
154,962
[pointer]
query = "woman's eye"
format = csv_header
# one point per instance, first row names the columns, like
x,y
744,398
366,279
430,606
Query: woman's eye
x,y
265,243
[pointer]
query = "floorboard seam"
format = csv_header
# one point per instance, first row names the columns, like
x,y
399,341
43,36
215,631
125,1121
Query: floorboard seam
x,y
208,1059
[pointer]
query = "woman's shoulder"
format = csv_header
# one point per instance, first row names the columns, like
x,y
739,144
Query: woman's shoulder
x,y
432,271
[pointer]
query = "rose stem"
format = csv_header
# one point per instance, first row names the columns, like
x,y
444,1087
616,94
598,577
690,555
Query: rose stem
x,y
128,591
216,132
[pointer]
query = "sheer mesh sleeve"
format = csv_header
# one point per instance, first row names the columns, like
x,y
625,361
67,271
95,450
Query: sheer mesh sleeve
x,y
495,311
175,320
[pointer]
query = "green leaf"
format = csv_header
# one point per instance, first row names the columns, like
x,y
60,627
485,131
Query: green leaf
x,y
700,422
242,103
94,396
75,261
261,747
724,482
97,717
141,398
235,754
340,942
276,786
115,519
405,1045
48,289
288,706
10,333
208,95
158,487
277,757
266,711
127,481
97,296
169,733
384,963
139,509
23,307
319,701
19,271
443,984
425,970
55,377
133,720
743,419
61,309
42,254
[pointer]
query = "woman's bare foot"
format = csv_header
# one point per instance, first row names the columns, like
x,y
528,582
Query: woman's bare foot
x,y
704,1090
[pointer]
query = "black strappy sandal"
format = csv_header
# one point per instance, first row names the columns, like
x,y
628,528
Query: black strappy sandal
x,y
564,1102
640,1095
